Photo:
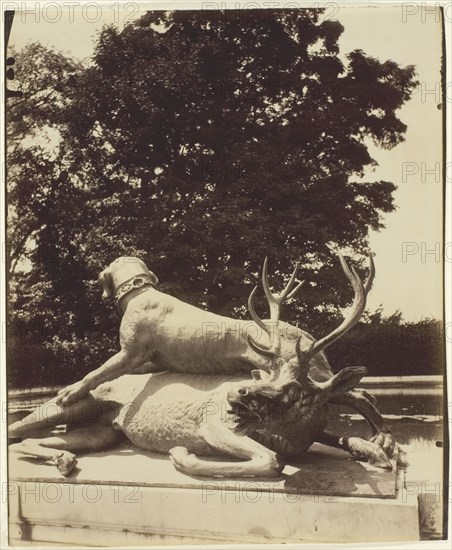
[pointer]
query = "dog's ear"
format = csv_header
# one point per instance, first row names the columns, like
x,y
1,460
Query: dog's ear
x,y
154,278
107,284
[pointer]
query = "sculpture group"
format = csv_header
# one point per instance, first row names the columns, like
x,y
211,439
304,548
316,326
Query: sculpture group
x,y
255,390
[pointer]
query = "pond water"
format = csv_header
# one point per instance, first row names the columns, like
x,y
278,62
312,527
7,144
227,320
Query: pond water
x,y
415,416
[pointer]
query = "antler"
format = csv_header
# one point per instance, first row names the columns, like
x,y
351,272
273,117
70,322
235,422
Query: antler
x,y
355,313
371,276
275,302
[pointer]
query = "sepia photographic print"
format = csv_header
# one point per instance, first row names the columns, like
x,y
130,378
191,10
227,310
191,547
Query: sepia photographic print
x,y
226,274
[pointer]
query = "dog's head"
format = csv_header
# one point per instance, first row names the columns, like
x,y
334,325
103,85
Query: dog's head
x,y
120,271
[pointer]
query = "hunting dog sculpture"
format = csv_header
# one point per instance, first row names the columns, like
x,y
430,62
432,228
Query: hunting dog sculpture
x,y
161,333
265,421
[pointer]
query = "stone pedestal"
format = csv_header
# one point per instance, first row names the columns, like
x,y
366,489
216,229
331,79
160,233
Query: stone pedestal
x,y
130,497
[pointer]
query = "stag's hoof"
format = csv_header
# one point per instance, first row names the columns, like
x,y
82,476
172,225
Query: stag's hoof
x,y
65,463
385,441
182,460
369,452
72,393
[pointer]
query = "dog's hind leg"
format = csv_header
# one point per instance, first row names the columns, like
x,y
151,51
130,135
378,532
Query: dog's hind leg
x,y
58,450
50,414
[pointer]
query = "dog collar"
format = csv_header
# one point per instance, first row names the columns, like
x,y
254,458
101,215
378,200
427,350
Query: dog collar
x,y
136,282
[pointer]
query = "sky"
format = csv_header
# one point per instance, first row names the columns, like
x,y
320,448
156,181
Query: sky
x,y
408,252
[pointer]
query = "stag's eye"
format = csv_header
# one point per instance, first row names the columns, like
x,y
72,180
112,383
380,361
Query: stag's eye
x,y
293,393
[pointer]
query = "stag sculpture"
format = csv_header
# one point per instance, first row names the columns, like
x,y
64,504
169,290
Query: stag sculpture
x,y
264,421
161,333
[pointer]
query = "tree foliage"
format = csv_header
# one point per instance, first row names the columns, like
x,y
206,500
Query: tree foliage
x,y
34,165
201,143
390,346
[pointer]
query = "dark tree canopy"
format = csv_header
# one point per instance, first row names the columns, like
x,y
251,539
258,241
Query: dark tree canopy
x,y
201,143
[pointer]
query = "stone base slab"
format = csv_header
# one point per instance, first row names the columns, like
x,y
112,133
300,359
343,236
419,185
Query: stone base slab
x,y
130,497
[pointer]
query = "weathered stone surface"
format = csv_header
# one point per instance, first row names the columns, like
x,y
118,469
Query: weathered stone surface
x,y
128,496
323,470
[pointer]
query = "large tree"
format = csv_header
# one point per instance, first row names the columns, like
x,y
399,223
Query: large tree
x,y
203,141
210,140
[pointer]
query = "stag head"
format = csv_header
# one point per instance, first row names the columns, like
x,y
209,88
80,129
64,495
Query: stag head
x,y
288,386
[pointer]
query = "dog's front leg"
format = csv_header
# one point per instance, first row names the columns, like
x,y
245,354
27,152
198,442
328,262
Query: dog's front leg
x,y
123,362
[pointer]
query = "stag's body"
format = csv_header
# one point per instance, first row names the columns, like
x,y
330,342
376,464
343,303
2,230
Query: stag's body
x,y
181,414
171,413
158,412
